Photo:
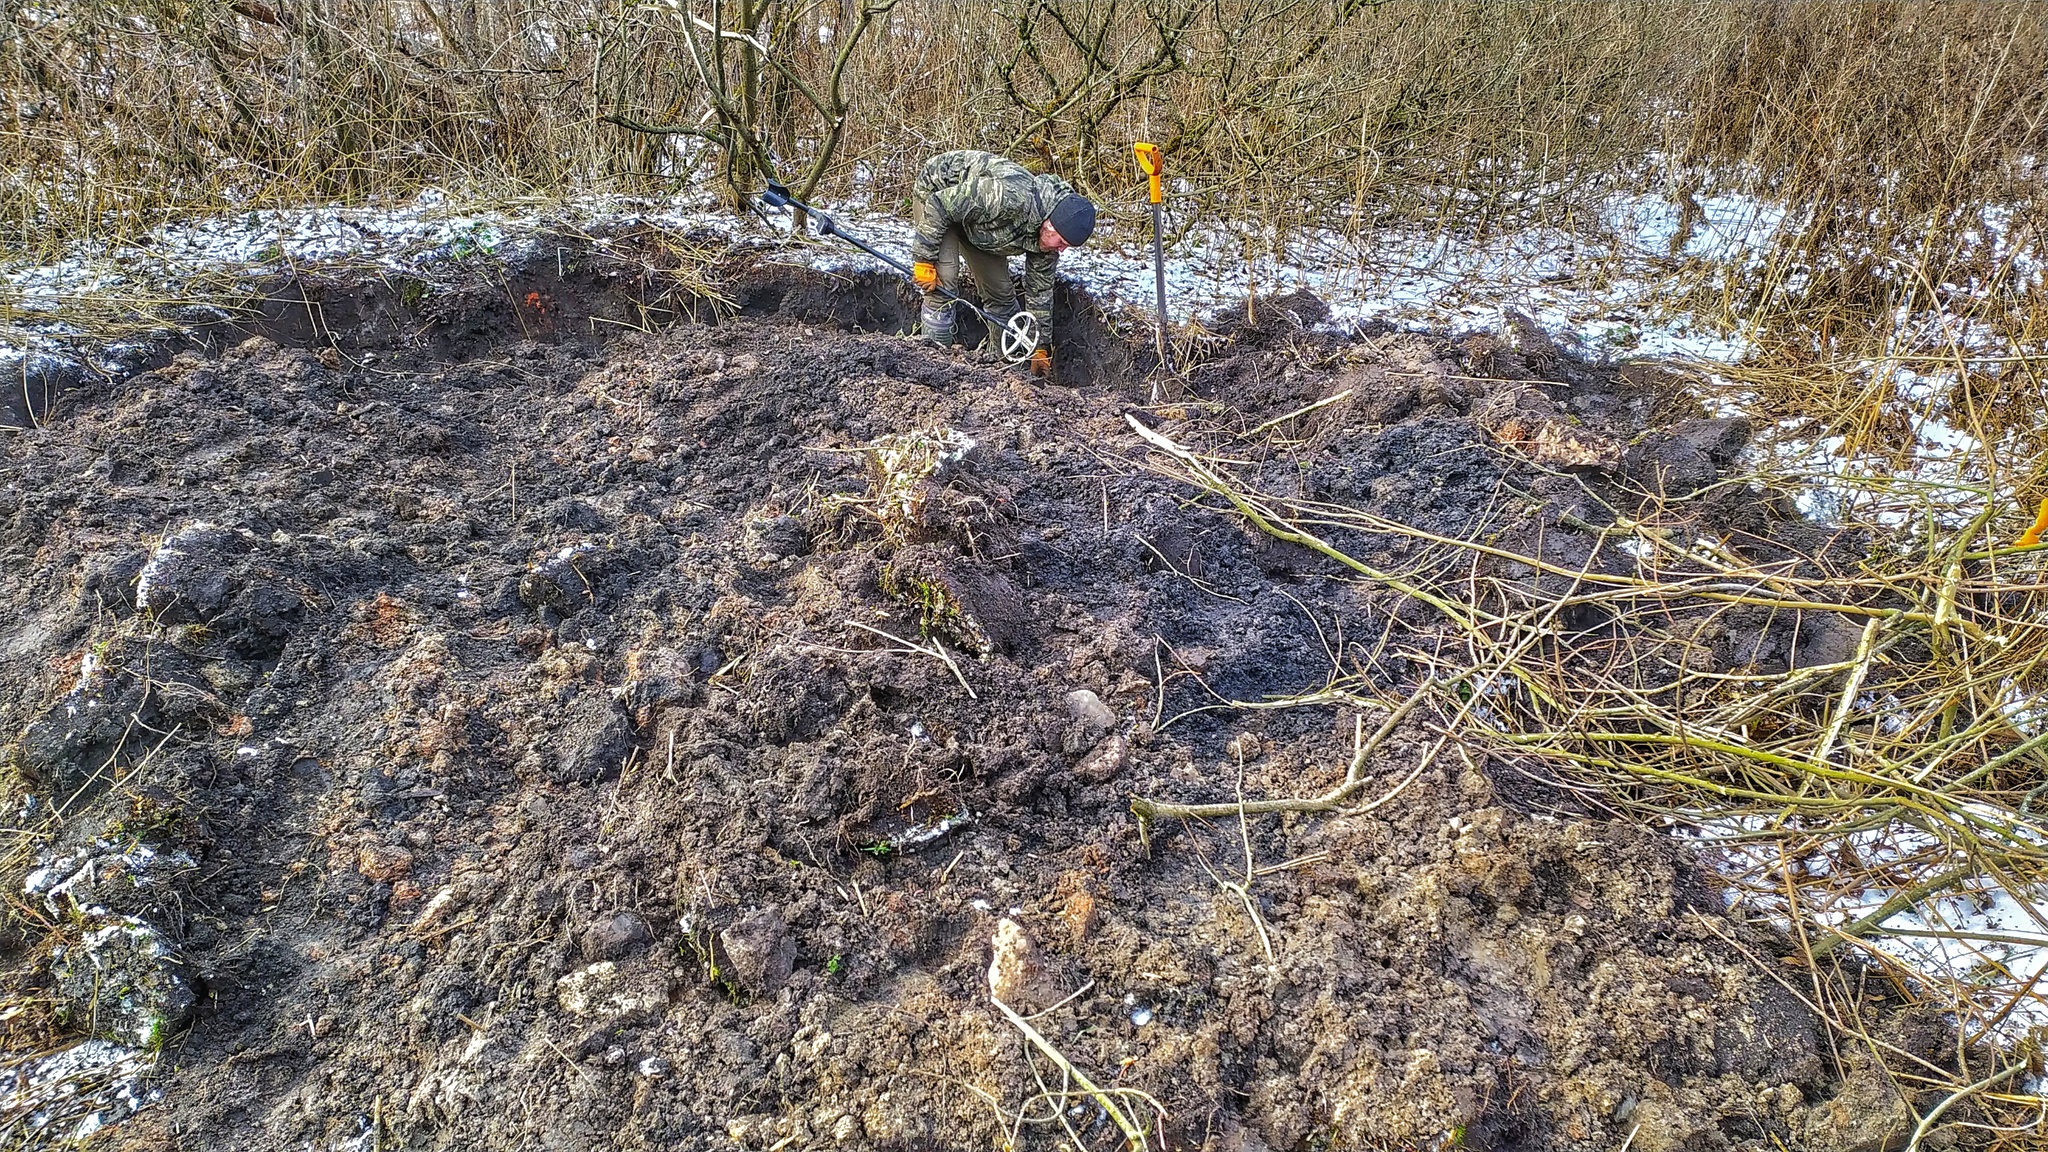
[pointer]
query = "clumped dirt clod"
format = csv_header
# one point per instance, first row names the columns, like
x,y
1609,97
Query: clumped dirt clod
x,y
580,744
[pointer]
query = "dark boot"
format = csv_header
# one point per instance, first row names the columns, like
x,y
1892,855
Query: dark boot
x,y
935,322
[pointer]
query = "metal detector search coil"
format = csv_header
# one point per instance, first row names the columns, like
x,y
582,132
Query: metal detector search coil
x,y
1018,336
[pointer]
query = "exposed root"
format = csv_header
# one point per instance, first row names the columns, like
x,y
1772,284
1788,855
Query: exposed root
x,y
1116,1102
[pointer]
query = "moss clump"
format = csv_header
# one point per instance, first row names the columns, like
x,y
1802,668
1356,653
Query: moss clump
x,y
940,610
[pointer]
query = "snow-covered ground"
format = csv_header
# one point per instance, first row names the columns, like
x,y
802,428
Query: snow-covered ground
x,y
61,1099
1987,944
1600,290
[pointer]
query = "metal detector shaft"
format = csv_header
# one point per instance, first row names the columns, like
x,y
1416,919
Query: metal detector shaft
x,y
1018,335
1159,288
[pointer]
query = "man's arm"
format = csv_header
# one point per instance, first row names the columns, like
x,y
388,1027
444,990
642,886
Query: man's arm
x,y
929,221
1038,276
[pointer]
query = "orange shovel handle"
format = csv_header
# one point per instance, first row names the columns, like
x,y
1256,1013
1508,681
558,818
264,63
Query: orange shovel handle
x,y
1153,165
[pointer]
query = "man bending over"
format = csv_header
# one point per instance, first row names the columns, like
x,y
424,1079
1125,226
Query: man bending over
x,y
978,209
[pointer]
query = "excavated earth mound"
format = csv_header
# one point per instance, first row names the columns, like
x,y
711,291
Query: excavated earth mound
x,y
470,721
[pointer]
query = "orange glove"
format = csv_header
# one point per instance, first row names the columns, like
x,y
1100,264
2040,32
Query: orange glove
x,y
1041,363
927,277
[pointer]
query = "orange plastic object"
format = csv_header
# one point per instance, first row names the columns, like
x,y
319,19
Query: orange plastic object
x,y
2032,535
1154,165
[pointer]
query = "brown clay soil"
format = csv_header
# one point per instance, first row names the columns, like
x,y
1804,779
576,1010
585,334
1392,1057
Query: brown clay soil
x,y
491,673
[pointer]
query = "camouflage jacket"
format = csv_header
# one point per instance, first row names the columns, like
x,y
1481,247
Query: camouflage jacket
x,y
998,205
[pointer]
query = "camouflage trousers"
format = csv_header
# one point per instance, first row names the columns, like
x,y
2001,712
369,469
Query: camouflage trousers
x,y
990,276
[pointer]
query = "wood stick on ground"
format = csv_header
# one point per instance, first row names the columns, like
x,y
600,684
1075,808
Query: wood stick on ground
x,y
937,651
1134,1134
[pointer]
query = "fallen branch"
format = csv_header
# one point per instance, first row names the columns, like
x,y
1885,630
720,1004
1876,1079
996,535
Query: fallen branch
x,y
1900,901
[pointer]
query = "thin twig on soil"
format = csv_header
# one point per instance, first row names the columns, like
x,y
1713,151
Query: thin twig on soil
x,y
1276,421
1146,809
936,650
1106,1099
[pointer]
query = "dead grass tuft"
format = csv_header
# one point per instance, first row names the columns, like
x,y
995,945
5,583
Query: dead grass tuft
x,y
1856,713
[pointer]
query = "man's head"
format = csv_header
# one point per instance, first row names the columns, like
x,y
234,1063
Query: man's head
x,y
1069,224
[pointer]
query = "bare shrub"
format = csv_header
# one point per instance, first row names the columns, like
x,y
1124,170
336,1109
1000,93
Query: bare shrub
x,y
1889,126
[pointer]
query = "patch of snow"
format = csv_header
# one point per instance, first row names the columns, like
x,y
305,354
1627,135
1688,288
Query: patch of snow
x,y
1978,934
170,549
59,878
67,1096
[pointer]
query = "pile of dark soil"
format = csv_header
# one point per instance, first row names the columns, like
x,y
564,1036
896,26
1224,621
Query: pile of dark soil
x,y
530,737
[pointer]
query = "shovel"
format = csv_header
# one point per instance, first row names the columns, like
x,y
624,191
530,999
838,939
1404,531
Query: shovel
x,y
1020,334
1154,167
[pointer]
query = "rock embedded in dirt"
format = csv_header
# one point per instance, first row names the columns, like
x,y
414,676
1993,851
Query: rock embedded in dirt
x,y
1106,762
608,990
1080,913
1088,721
1018,974
759,952
122,981
1664,1125
1085,708
616,937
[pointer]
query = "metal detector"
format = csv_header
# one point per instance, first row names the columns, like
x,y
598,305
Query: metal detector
x,y
1019,334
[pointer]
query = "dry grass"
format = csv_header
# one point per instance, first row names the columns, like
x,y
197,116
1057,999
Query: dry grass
x,y
1639,681
1906,137
1278,111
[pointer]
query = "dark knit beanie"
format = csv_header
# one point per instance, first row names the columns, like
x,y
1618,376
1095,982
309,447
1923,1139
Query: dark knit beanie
x,y
1073,218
